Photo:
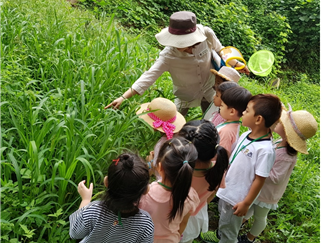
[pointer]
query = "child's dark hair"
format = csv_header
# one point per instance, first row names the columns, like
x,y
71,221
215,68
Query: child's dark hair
x,y
225,86
237,98
128,179
290,150
268,106
204,136
177,157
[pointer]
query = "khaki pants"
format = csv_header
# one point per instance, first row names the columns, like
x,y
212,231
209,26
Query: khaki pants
x,y
204,105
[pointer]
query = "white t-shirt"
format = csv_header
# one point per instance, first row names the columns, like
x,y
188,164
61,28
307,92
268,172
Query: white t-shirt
x,y
256,158
192,79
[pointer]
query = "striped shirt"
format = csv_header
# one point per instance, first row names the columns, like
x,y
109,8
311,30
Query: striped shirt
x,y
95,223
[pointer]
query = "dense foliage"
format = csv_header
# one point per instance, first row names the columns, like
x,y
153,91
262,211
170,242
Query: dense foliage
x,y
290,29
60,66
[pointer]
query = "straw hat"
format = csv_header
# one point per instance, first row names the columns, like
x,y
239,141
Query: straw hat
x,y
228,73
182,31
162,112
298,127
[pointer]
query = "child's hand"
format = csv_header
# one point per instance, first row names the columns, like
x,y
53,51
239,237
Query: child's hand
x,y
84,192
241,209
245,70
150,163
150,156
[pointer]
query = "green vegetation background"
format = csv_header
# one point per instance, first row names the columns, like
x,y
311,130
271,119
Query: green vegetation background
x,y
60,66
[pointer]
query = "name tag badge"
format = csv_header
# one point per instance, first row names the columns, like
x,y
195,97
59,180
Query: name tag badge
x,y
204,52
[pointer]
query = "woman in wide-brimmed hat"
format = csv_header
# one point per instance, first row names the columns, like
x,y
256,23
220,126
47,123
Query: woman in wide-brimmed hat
x,y
187,57
295,127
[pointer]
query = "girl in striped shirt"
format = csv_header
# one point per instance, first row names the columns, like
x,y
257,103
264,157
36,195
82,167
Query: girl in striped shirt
x,y
115,218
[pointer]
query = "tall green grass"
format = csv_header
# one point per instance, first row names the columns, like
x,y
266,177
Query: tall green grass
x,y
60,67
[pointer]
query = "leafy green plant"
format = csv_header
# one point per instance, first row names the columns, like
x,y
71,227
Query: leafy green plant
x,y
303,47
293,32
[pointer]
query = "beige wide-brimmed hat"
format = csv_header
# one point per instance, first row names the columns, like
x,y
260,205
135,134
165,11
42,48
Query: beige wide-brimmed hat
x,y
228,73
162,115
298,126
182,31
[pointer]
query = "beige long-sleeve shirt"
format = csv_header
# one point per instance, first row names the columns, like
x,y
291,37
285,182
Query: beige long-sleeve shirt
x,y
191,76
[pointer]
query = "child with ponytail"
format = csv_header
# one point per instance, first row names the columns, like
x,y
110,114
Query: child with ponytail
x,y
115,218
294,128
207,176
171,200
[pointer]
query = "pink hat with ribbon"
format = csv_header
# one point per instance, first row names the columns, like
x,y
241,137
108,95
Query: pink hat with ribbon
x,y
162,115
182,31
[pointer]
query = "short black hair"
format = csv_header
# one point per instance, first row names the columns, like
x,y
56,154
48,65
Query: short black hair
x,y
268,106
226,85
237,98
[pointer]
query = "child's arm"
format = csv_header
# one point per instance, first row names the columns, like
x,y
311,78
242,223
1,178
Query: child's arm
x,y
85,193
241,208
183,224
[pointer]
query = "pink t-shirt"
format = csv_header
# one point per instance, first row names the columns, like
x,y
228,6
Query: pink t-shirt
x,y
217,118
229,134
158,204
275,185
201,187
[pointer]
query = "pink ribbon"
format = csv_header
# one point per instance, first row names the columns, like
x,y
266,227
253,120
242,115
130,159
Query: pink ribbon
x,y
167,126
295,127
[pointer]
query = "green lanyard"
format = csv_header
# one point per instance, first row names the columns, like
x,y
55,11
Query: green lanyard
x,y
163,185
225,123
279,147
244,146
204,169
